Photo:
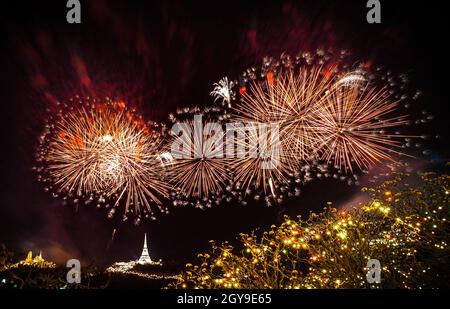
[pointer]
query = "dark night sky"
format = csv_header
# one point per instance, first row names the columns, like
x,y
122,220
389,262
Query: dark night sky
x,y
161,56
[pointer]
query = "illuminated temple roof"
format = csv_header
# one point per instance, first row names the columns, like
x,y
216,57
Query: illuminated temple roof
x,y
37,261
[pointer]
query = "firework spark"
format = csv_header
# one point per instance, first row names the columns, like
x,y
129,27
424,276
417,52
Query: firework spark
x,y
102,152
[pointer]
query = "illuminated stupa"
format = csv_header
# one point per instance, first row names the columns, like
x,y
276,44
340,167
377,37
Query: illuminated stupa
x,y
145,257
137,267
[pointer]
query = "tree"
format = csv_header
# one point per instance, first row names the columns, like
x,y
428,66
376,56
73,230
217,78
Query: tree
x,y
404,226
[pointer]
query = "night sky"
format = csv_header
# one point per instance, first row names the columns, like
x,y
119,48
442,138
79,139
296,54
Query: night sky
x,y
162,55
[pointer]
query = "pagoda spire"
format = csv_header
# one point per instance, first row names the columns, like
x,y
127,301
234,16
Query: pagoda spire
x,y
145,257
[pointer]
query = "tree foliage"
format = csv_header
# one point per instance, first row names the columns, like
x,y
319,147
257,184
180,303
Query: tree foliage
x,y
404,224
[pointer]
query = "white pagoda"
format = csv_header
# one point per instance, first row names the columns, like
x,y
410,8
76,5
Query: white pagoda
x,y
130,267
145,257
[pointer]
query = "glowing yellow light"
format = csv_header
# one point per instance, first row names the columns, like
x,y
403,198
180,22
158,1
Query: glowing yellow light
x,y
107,138
342,234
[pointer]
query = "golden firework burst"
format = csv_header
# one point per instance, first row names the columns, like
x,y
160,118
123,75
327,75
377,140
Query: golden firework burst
x,y
103,151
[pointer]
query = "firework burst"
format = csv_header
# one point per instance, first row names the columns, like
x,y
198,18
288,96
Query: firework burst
x,y
103,153
259,160
289,102
354,125
329,120
329,115
197,166
222,92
